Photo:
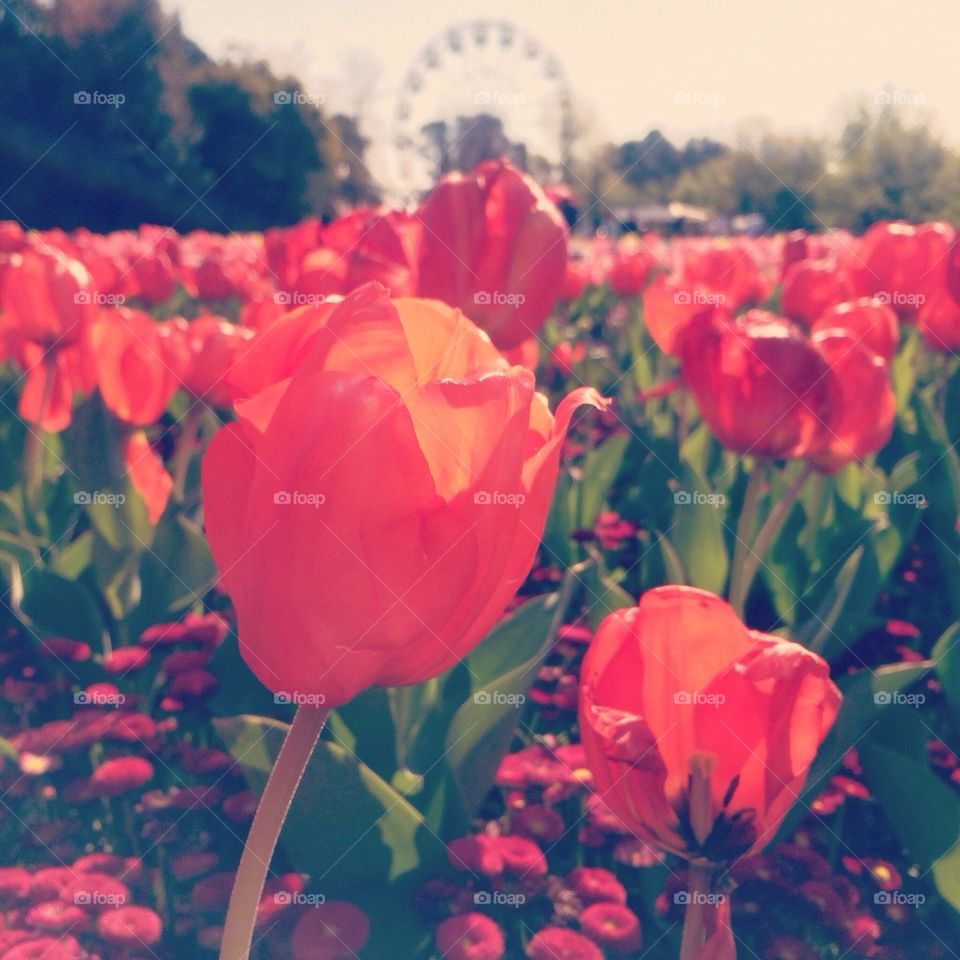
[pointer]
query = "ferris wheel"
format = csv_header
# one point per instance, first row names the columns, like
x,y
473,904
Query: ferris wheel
x,y
478,80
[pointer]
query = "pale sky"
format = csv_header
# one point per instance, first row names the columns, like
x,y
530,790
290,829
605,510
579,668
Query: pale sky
x,y
689,67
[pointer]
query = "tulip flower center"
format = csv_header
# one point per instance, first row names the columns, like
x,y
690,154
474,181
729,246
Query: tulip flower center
x,y
716,837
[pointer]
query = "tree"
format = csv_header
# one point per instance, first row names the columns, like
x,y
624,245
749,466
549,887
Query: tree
x,y
772,175
889,169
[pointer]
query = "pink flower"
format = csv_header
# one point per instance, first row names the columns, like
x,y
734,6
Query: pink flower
x,y
125,659
612,926
470,936
114,777
334,930
130,926
596,885
558,943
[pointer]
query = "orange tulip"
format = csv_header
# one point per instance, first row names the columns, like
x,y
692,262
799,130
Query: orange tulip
x,y
700,732
382,495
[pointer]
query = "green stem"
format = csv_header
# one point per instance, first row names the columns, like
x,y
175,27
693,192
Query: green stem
x,y
748,516
184,449
262,840
34,446
753,556
695,916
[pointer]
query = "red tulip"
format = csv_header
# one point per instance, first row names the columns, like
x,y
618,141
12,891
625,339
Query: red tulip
x,y
365,246
758,383
864,406
939,321
870,322
726,268
576,278
766,389
494,246
796,248
147,474
700,732
47,298
892,261
630,268
670,307
382,494
212,347
810,287
51,380
285,248
131,361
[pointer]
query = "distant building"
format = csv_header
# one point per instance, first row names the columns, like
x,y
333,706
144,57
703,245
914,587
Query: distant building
x,y
682,218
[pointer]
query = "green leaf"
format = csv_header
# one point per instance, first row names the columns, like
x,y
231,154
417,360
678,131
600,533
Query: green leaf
x,y
946,875
817,632
946,654
501,670
603,593
599,470
698,533
860,709
103,488
346,825
923,810
175,573
74,558
63,607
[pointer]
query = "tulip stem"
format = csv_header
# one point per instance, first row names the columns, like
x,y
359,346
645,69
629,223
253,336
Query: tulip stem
x,y
34,446
752,555
184,449
756,480
272,810
695,915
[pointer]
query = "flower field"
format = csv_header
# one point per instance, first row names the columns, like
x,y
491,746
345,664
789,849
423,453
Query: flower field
x,y
604,591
